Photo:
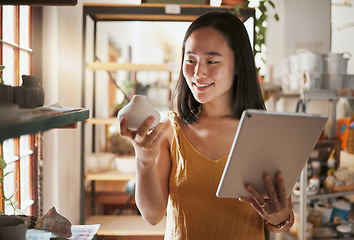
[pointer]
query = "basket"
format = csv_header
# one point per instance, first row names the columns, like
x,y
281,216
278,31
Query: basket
x,y
339,189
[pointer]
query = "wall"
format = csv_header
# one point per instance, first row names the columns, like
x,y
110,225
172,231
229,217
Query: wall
x,y
302,24
343,31
62,82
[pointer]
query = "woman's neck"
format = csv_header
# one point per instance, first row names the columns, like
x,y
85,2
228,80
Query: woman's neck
x,y
216,110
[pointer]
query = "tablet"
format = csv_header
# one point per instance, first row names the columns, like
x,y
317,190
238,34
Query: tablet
x,y
269,142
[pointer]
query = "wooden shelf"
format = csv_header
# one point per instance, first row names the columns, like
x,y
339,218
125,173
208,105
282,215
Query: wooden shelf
x,y
104,121
113,66
152,12
112,175
31,121
127,225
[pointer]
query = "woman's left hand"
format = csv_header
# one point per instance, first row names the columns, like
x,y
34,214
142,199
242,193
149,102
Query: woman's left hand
x,y
274,207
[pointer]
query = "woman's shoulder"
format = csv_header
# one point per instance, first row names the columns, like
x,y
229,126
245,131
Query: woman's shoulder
x,y
168,121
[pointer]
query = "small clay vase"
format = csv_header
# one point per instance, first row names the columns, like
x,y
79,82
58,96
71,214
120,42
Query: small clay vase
x,y
12,228
30,94
136,112
6,94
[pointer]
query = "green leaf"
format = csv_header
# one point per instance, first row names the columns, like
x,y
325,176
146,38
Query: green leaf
x,y
271,3
2,163
245,4
237,9
276,17
262,8
19,211
13,203
2,177
1,68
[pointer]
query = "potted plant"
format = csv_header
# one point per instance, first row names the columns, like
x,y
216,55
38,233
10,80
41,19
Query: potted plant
x,y
262,14
11,227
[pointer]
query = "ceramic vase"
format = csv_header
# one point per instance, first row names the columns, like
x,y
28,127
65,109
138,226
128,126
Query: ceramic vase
x,y
30,94
12,228
6,94
136,112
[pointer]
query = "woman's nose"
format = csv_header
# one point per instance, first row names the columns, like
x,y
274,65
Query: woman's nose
x,y
200,71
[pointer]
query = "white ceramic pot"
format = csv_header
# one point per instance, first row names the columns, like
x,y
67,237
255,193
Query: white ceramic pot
x,y
313,80
310,61
136,112
99,162
326,212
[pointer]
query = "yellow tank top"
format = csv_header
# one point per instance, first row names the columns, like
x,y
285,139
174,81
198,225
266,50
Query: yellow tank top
x,y
194,212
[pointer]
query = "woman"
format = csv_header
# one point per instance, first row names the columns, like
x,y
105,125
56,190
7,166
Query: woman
x,y
180,163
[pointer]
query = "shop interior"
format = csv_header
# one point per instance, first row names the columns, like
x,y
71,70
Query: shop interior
x,y
92,57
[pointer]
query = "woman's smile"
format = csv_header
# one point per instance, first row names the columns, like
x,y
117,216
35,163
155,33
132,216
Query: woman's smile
x,y
202,86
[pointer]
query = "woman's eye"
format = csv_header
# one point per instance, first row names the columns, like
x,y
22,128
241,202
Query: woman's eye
x,y
213,62
190,61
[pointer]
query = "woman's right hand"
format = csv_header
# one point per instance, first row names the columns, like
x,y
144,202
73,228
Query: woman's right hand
x,y
146,141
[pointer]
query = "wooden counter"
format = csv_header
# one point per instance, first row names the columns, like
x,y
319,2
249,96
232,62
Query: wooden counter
x,y
127,227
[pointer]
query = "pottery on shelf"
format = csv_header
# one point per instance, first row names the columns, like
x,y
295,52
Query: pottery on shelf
x,y
12,228
30,94
136,112
6,94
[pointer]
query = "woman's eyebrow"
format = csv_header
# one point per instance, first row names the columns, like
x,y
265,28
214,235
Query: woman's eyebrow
x,y
212,54
206,54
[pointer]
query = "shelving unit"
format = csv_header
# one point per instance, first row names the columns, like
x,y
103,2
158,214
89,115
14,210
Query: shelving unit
x,y
305,97
31,121
40,120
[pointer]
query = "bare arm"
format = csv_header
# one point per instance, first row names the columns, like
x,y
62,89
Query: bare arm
x,y
153,166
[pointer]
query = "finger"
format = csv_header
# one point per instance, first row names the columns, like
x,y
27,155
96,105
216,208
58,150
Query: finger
x,y
256,195
123,128
280,185
155,136
146,126
272,195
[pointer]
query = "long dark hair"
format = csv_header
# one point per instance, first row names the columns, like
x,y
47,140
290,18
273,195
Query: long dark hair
x,y
246,89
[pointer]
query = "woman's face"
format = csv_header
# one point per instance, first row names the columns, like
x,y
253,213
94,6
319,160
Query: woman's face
x,y
208,65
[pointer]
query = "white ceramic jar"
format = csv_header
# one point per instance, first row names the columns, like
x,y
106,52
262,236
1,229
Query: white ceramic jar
x,y
136,112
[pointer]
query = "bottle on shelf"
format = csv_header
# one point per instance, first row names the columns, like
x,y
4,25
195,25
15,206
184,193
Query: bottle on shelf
x,y
314,182
331,164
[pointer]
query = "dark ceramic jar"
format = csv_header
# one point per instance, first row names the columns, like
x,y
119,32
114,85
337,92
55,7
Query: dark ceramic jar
x,y
12,228
6,94
30,94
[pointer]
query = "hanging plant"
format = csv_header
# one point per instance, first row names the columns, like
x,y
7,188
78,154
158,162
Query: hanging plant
x,y
262,14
